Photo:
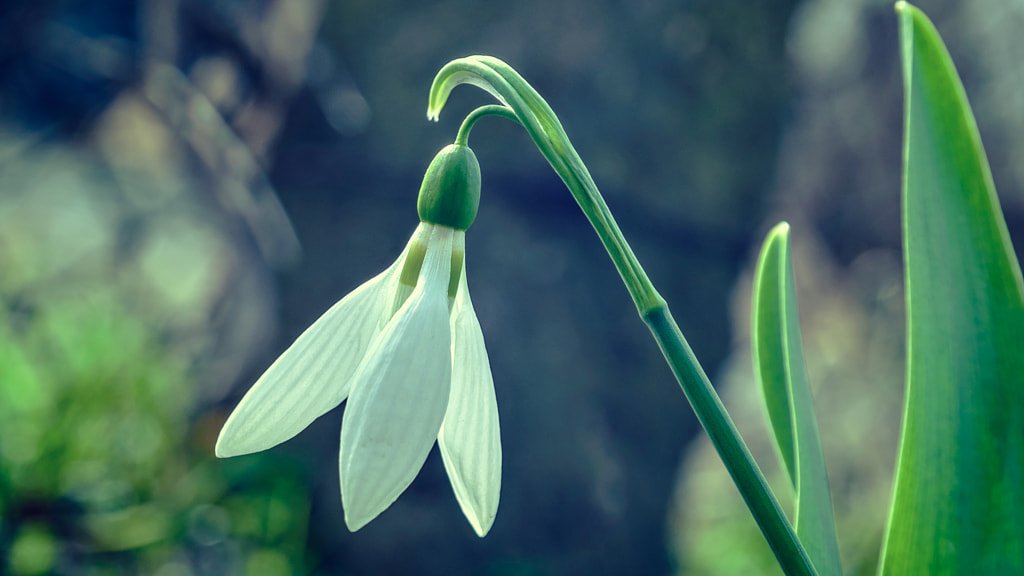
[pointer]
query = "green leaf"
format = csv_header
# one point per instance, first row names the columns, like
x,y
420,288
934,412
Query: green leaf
x,y
779,360
958,505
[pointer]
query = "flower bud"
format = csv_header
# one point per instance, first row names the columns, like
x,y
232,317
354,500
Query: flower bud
x,y
450,193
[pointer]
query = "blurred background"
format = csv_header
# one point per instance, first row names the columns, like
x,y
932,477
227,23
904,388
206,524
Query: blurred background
x,y
185,185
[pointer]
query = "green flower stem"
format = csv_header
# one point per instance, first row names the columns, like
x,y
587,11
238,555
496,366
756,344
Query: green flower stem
x,y
462,139
540,122
745,474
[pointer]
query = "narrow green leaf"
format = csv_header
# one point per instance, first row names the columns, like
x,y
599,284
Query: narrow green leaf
x,y
779,359
958,503
769,339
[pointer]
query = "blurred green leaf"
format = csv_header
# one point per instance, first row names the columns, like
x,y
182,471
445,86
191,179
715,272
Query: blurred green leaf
x,y
958,506
268,563
129,528
779,360
34,551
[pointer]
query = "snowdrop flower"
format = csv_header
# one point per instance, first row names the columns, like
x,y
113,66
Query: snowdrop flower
x,y
406,350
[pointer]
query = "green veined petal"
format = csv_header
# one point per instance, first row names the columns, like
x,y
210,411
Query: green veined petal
x,y
314,374
399,395
470,439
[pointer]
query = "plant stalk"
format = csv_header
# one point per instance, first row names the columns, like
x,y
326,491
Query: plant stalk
x,y
534,114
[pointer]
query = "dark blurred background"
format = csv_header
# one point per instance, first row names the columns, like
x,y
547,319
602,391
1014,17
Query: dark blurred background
x,y
185,185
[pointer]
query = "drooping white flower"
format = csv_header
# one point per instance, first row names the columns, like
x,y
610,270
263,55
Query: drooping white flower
x,y
406,350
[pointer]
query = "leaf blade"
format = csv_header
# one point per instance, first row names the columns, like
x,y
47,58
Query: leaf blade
x,y
779,360
958,503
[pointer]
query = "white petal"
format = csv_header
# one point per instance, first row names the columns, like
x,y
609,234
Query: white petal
x,y
470,438
399,395
314,374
